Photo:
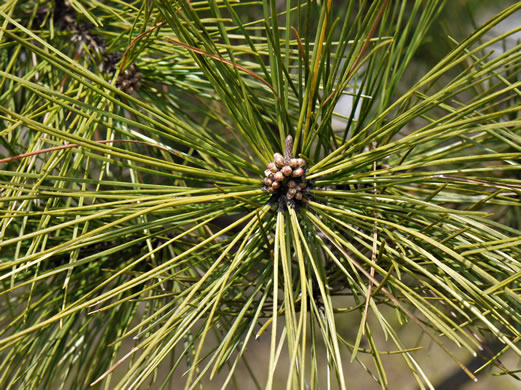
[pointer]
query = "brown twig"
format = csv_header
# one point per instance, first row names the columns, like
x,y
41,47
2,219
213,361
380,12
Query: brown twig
x,y
299,42
303,54
136,40
103,376
224,61
54,148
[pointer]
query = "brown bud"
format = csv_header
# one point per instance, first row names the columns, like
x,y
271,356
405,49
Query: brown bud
x,y
302,185
275,185
267,172
272,167
301,163
293,163
292,184
279,176
278,159
286,170
267,181
298,196
298,172
270,190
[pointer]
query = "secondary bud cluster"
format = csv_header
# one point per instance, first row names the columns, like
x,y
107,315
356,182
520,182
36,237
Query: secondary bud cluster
x,y
285,175
129,80
82,34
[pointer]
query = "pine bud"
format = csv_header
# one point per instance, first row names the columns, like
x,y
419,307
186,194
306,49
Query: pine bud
x,y
292,184
279,160
293,163
267,181
298,196
279,176
301,163
272,167
275,185
298,172
286,170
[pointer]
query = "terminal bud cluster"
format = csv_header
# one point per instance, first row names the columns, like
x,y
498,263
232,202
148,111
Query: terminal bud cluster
x,y
285,177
